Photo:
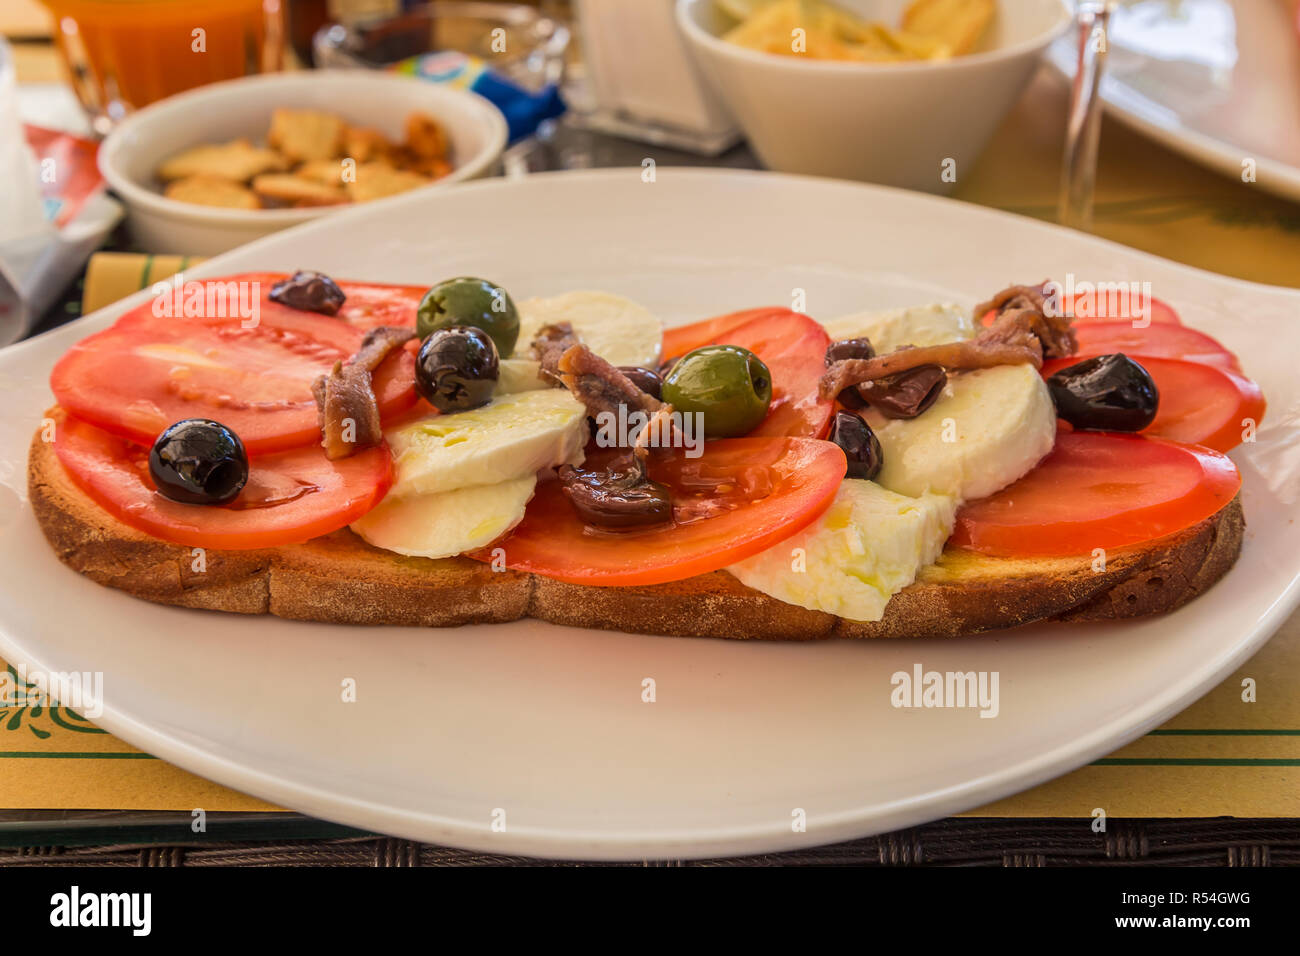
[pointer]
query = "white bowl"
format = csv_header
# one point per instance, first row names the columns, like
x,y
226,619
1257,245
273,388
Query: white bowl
x,y
131,154
891,123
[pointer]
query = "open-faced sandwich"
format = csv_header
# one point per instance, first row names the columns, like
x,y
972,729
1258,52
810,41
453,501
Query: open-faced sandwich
x,y
355,453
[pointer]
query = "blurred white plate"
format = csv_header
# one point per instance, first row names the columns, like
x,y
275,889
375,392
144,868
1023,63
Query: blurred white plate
x,y
547,723
1216,80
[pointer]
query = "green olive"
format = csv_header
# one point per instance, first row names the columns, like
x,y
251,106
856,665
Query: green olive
x,y
731,387
474,302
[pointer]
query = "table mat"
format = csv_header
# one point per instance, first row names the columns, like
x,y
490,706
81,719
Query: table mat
x,y
1222,756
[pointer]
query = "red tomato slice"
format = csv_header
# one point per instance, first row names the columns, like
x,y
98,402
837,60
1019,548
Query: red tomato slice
x,y
367,305
289,498
1099,490
1155,341
791,345
1200,404
740,496
685,338
1082,310
1099,308
370,306
146,372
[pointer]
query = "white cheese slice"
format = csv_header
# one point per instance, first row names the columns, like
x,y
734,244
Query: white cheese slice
x,y
617,329
512,436
988,428
867,546
449,523
916,325
519,375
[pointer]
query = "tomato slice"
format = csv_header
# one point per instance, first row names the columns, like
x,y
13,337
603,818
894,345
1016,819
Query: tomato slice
x,y
289,498
793,347
1201,404
368,305
1094,308
1155,341
147,371
1099,490
740,496
1100,308
685,338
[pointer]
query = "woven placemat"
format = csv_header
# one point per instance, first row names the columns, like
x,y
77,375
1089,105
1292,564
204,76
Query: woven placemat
x,y
965,842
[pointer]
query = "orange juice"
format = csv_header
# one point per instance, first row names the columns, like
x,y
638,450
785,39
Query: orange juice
x,y
124,54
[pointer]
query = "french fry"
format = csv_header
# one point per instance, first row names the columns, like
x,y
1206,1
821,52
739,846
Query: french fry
x,y
959,24
816,29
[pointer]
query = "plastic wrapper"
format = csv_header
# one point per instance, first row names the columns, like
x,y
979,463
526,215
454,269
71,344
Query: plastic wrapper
x,y
524,111
53,212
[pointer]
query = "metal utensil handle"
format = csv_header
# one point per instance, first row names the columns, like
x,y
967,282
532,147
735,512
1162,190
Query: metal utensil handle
x,y
1083,127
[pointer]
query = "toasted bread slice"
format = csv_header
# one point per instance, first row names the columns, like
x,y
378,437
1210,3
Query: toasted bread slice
x,y
340,579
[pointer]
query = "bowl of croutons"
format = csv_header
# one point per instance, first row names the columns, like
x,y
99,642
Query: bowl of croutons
x,y
218,166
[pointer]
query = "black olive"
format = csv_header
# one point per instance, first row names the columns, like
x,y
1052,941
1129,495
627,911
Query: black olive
x,y
198,462
666,366
309,292
851,398
643,378
906,394
860,444
850,349
1108,393
457,368
622,496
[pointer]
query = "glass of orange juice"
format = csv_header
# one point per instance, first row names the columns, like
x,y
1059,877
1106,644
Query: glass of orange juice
x,y
124,54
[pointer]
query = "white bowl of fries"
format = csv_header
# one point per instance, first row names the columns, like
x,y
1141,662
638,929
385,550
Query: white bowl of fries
x,y
218,166
901,92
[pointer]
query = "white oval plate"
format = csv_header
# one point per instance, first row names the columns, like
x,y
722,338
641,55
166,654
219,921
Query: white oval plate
x,y
547,723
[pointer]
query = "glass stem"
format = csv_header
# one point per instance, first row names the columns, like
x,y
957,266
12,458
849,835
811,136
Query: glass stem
x,y
1083,125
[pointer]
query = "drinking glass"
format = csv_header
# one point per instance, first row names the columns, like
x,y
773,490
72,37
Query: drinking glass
x,y
124,54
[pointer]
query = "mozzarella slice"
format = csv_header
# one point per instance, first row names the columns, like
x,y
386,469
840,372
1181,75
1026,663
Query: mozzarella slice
x,y
921,325
519,375
449,523
988,428
868,545
510,437
617,329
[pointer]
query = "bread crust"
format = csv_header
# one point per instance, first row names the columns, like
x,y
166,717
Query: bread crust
x,y
338,578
